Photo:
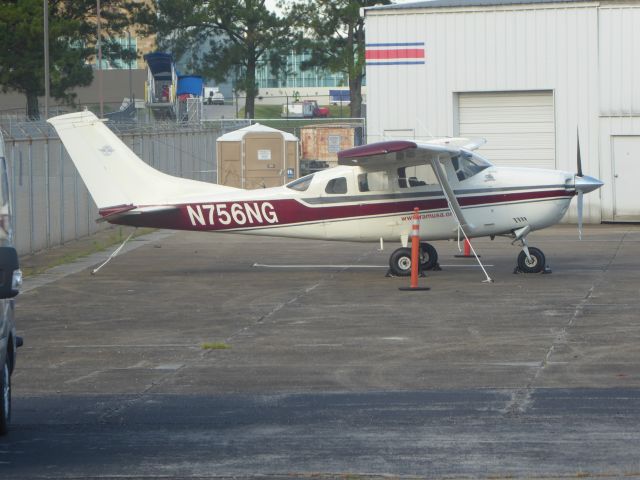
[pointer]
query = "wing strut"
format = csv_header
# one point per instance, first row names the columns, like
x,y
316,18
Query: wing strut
x,y
454,206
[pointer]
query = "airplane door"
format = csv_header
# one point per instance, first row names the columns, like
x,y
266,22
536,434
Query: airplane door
x,y
626,170
338,193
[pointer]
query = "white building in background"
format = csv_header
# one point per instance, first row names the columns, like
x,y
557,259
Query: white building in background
x,y
526,75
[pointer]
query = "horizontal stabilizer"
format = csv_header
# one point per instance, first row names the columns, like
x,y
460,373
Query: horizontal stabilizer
x,y
113,213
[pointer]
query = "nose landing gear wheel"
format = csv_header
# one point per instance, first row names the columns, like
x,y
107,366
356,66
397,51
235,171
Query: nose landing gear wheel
x,y
534,265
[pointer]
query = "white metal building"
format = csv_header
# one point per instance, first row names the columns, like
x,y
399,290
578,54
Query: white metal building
x,y
526,75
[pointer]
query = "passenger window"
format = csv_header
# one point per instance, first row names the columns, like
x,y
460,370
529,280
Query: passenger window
x,y
418,176
337,185
363,183
373,181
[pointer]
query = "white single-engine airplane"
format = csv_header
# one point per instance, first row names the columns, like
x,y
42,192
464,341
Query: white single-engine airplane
x,y
369,197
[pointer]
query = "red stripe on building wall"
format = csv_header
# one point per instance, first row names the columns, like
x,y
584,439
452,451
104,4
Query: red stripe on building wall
x,y
395,53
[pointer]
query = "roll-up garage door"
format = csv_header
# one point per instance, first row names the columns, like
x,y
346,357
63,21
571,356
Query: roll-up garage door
x,y
519,126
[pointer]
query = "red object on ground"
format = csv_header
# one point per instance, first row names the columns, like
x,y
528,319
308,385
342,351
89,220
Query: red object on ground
x,y
415,247
467,248
415,254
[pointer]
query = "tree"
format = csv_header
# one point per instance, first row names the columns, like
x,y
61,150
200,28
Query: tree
x,y
72,40
233,36
333,31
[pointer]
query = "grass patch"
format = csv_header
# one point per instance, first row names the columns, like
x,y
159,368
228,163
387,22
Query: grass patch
x,y
275,111
215,346
264,111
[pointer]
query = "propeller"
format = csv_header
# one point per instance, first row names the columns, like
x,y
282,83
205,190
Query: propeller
x,y
584,184
579,174
580,192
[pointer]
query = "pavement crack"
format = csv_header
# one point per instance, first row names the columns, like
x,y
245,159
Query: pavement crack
x,y
301,294
521,398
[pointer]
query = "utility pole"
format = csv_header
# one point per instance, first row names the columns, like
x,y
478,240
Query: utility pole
x,y
46,58
130,79
99,59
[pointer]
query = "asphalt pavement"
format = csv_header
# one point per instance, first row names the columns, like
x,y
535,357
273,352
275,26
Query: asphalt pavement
x,y
220,356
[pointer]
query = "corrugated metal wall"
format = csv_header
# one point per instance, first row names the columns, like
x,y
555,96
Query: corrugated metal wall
x,y
491,49
619,42
620,60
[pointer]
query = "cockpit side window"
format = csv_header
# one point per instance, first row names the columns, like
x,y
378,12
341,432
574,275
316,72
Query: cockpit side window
x,y
467,165
301,184
337,185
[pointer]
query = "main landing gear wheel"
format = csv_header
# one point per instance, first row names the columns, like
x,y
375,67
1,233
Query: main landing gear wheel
x,y
400,262
428,256
534,265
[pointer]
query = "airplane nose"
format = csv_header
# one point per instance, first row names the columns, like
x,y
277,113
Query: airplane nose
x,y
586,184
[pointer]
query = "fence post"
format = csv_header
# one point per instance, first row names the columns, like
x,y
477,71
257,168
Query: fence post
x,y
62,209
31,200
13,191
47,179
76,205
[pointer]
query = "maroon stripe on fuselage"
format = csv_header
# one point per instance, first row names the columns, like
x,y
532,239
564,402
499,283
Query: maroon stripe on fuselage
x,y
513,197
219,216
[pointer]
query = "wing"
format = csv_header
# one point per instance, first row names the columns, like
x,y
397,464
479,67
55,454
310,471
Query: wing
x,y
390,154
406,153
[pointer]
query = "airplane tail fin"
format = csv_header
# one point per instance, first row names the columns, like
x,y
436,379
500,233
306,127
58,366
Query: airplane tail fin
x,y
113,173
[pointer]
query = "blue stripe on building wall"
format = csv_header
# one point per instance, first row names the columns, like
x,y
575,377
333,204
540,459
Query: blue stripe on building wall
x,y
413,44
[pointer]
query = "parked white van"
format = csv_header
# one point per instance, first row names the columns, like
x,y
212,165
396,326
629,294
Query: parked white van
x,y
10,282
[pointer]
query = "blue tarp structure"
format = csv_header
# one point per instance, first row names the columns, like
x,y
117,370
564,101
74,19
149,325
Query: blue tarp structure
x,y
339,95
190,84
160,65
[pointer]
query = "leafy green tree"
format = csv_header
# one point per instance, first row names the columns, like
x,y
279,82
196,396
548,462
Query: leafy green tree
x,y
72,41
223,38
333,31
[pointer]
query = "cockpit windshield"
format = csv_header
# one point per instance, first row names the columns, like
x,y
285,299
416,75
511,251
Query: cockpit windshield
x,y
301,184
467,165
